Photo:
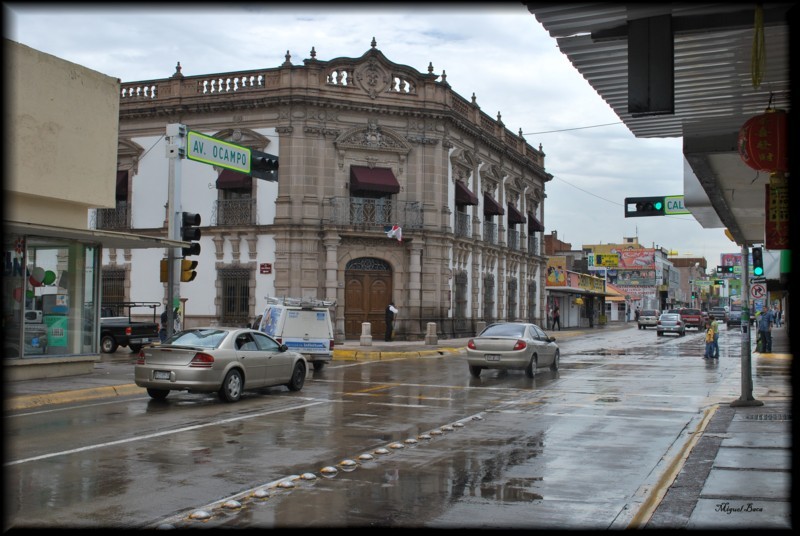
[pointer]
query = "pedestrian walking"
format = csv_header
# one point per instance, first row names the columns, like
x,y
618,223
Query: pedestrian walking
x,y
556,317
778,312
709,354
162,330
764,327
715,329
391,313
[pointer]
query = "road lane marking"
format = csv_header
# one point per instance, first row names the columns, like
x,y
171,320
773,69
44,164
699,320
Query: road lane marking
x,y
160,434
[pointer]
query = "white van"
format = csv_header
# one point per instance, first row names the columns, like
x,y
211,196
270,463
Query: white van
x,y
304,325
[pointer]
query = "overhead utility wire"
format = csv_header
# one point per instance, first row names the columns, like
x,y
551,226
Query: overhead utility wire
x,y
567,129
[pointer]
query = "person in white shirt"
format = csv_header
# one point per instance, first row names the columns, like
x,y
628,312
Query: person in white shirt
x,y
391,313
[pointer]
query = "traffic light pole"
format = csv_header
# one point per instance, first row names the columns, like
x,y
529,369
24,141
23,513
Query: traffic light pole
x,y
746,397
176,149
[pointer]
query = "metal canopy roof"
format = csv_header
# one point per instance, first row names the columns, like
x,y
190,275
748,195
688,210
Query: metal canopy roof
x,y
714,96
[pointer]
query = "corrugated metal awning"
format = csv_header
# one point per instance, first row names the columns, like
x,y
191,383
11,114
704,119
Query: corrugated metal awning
x,y
534,225
108,239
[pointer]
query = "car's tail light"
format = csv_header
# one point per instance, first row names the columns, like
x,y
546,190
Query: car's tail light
x,y
521,345
140,357
659,322
330,345
471,344
279,339
128,331
201,360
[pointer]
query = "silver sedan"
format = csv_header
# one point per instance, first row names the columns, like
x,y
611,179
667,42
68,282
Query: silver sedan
x,y
512,345
218,359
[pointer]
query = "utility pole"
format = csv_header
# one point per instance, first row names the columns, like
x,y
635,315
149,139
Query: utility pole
x,y
176,151
746,397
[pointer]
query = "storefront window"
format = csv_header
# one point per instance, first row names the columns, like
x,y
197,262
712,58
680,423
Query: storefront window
x,y
49,297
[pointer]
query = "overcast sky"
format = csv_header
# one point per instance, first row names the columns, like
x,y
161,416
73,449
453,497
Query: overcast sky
x,y
498,51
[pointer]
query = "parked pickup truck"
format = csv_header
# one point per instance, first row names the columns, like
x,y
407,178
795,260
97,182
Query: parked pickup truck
x,y
120,330
692,318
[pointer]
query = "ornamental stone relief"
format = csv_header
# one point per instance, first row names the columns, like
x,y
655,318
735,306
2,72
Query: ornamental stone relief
x,y
372,78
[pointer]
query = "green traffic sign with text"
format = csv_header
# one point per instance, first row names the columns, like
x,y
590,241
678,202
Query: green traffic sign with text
x,y
210,150
673,204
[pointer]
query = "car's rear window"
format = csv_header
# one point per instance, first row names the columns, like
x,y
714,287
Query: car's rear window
x,y
204,338
503,330
650,312
690,311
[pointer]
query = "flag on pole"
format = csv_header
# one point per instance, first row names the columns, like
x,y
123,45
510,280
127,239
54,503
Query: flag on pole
x,y
395,232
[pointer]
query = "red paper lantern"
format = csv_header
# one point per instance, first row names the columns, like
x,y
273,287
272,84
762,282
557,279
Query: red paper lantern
x,y
762,142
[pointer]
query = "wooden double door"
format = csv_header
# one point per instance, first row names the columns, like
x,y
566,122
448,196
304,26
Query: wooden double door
x,y
367,294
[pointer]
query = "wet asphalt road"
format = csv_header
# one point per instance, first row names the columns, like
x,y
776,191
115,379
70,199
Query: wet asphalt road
x,y
404,443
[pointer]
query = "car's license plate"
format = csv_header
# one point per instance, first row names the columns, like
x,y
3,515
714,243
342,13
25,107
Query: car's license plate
x,y
161,375
492,357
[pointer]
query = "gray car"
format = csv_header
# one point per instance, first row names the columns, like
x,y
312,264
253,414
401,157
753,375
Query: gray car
x,y
512,345
670,323
648,318
218,360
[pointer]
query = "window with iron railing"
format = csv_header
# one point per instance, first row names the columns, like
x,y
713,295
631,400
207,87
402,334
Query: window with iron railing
x,y
513,239
533,245
240,211
490,232
511,289
488,298
463,224
460,313
113,218
235,296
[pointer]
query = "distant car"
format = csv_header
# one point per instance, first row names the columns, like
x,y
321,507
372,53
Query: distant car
x,y
692,318
223,360
734,317
719,314
648,318
670,323
512,345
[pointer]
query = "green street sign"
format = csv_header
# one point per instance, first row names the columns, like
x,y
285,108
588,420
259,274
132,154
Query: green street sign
x,y
209,150
674,205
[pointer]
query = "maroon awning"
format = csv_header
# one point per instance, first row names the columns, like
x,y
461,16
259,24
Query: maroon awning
x,y
122,184
366,179
534,225
230,179
491,207
464,195
514,215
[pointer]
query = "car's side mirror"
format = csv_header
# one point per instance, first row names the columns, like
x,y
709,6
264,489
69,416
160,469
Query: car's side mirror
x,y
283,348
552,339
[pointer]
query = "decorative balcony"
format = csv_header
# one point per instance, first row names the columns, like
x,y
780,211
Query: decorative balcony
x,y
463,225
369,213
490,232
513,239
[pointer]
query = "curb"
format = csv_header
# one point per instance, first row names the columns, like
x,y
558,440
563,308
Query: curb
x,y
63,397
379,355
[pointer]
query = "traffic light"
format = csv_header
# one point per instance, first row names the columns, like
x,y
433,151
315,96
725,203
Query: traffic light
x,y
263,166
187,270
164,271
724,269
758,262
719,281
190,232
694,295
637,207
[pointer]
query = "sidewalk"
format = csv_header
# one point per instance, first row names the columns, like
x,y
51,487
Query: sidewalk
x,y
735,471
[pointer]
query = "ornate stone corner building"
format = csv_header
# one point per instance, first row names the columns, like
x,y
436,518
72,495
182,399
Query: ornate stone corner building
x,y
364,144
